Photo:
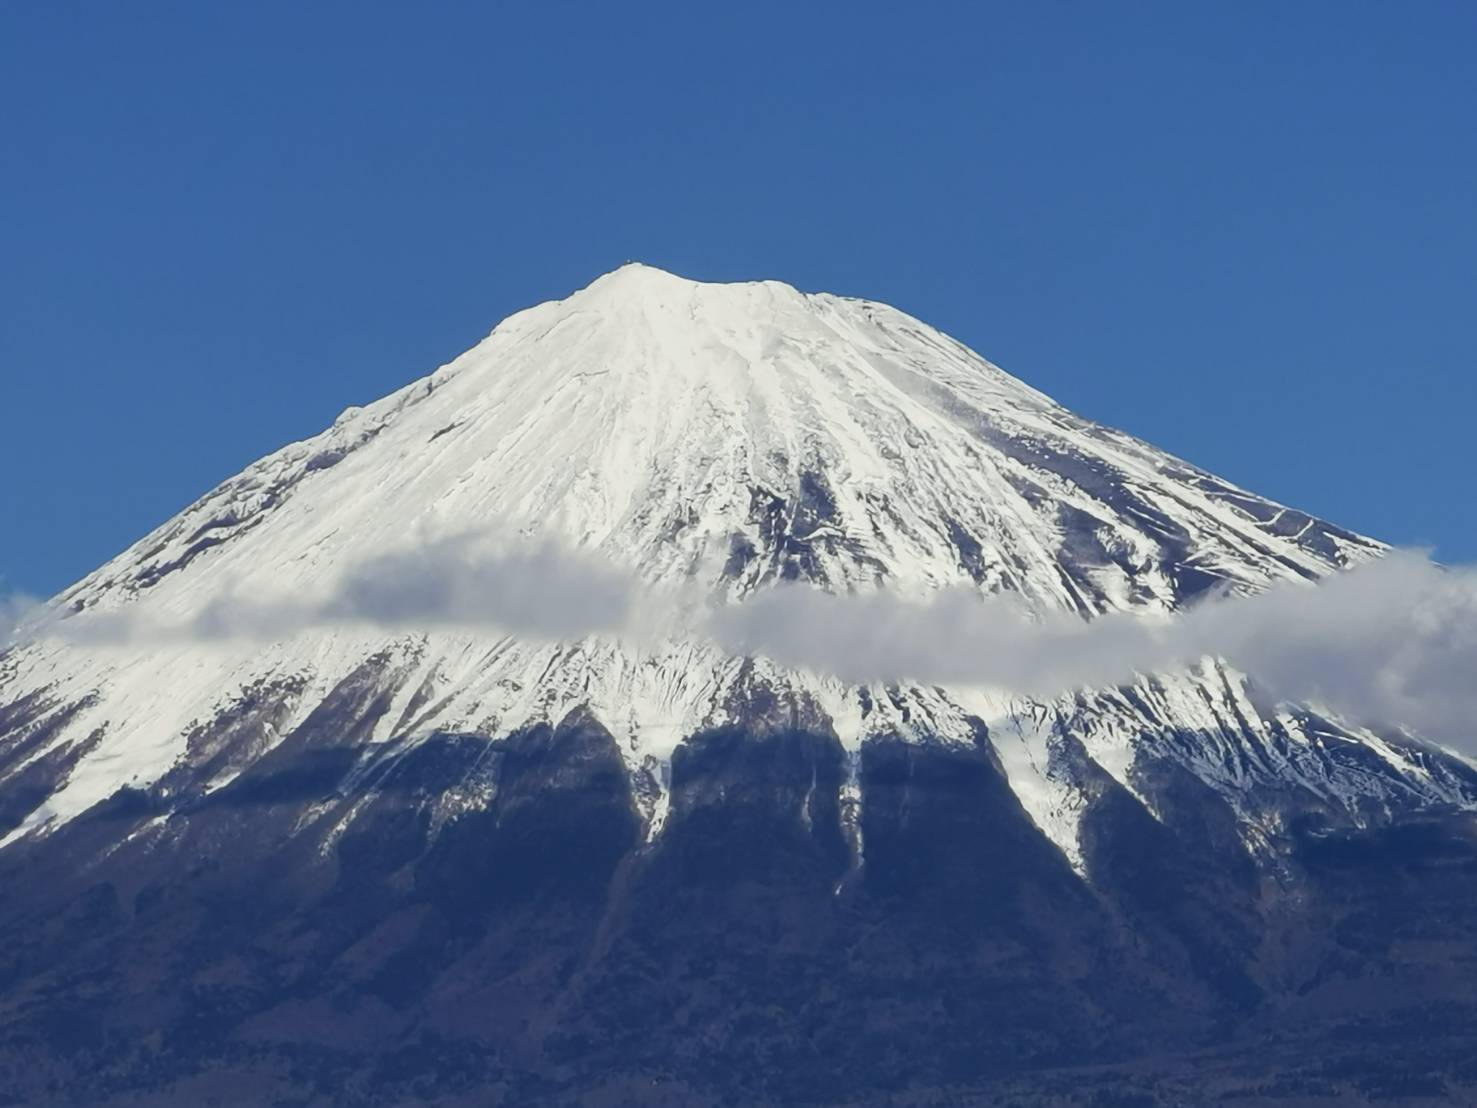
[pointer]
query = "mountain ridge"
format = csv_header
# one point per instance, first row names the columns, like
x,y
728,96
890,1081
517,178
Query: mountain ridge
x,y
359,861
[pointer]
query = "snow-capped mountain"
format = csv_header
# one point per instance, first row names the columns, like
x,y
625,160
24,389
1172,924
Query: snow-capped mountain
x,y
728,435
720,438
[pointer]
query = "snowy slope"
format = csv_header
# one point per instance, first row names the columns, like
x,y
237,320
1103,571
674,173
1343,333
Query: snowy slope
x,y
725,436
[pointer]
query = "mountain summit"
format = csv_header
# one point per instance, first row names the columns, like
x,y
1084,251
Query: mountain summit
x,y
339,841
736,434
728,435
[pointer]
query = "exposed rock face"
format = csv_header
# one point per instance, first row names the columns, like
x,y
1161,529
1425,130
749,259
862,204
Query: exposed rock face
x,y
492,926
356,865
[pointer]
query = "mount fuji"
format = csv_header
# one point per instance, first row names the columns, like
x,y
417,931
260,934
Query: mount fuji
x,y
375,858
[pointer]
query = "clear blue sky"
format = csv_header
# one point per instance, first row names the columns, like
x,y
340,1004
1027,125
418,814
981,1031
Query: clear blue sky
x,y
1246,232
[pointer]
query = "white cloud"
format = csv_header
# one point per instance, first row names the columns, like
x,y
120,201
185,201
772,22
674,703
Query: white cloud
x,y
18,613
1393,641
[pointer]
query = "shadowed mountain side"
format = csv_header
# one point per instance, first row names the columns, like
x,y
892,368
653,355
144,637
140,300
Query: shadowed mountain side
x,y
494,923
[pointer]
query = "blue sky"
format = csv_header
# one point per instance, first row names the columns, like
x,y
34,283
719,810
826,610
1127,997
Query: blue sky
x,y
1243,232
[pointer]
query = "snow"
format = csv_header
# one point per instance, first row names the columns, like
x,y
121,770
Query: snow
x,y
654,421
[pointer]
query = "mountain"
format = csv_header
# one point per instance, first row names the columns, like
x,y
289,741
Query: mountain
x,y
368,861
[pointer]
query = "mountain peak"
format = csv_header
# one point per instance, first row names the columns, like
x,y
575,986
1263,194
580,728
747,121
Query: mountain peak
x,y
639,283
637,275
737,435
721,437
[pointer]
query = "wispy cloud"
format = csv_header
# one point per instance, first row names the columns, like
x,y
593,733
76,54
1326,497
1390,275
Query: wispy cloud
x,y
18,613
467,581
1393,641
